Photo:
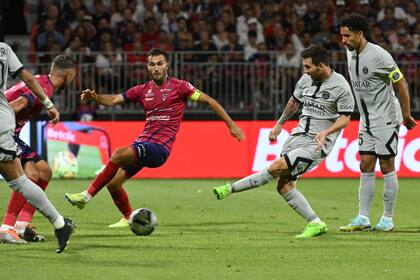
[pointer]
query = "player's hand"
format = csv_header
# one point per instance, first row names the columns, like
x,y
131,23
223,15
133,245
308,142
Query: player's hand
x,y
53,115
237,132
409,122
320,138
274,132
88,94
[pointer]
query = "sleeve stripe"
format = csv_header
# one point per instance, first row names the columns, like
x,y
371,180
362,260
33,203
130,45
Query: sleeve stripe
x,y
30,98
16,73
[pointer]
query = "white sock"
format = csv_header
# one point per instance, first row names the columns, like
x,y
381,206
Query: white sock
x,y
88,197
59,222
316,221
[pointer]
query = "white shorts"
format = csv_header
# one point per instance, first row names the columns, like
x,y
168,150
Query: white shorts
x,y
301,154
381,143
8,147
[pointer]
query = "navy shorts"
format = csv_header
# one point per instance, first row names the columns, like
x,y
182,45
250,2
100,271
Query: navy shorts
x,y
148,154
25,152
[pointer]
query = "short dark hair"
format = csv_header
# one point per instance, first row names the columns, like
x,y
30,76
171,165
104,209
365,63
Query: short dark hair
x,y
64,61
317,53
355,23
156,52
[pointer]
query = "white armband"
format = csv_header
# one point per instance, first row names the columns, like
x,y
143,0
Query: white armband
x,y
47,103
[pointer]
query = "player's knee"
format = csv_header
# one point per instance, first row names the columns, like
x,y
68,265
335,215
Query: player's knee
x,y
118,156
45,173
367,166
33,174
284,185
386,166
278,168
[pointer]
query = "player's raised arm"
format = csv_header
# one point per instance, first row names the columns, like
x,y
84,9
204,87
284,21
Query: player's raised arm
x,y
235,130
35,87
102,99
291,107
402,87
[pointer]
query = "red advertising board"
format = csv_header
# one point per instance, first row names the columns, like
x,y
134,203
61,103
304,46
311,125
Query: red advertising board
x,y
205,149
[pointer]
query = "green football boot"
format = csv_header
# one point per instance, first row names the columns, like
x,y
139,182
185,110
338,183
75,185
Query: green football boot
x,y
77,199
313,229
120,224
222,191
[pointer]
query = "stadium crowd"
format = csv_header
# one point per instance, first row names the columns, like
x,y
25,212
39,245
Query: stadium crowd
x,y
110,32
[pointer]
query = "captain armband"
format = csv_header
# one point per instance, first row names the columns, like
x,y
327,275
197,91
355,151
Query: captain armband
x,y
195,95
395,75
47,103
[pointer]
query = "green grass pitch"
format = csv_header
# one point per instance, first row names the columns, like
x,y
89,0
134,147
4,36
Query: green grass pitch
x,y
249,235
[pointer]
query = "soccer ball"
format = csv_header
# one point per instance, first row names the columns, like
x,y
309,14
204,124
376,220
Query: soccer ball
x,y
65,165
142,221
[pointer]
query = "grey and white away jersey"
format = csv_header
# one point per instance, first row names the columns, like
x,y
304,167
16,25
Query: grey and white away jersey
x,y
9,65
372,73
323,103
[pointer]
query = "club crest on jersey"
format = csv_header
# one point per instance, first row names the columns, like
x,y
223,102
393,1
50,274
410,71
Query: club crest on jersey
x,y
365,70
164,96
325,95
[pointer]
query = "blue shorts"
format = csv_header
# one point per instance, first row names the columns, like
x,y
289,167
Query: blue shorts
x,y
148,154
25,152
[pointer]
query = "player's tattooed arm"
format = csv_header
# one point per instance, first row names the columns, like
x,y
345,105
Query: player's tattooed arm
x,y
234,129
291,107
402,88
102,99
19,104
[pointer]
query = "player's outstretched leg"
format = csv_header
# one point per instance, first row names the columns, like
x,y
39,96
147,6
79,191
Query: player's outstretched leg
x,y
78,199
360,223
250,182
120,198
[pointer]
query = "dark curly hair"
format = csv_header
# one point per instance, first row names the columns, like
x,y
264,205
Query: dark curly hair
x,y
355,23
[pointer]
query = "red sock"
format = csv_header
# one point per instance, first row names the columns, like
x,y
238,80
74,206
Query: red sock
x,y
28,211
103,178
120,198
16,203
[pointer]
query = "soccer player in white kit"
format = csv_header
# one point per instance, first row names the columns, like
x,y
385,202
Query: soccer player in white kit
x,y
327,104
10,166
374,75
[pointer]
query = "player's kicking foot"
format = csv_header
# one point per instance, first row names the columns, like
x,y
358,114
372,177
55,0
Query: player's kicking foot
x,y
63,234
77,199
120,224
222,191
360,223
31,235
11,236
313,229
385,224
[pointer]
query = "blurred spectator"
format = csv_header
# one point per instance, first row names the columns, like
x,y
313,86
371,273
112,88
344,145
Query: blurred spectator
x,y
397,11
117,16
300,8
105,36
204,50
70,10
220,38
49,36
60,24
252,25
260,76
145,9
150,32
99,13
251,47
311,18
107,69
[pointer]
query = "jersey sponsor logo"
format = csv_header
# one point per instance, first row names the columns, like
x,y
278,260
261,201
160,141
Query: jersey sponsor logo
x,y
346,107
148,99
157,118
365,70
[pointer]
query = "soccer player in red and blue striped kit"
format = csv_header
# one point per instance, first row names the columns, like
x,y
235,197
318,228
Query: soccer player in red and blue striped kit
x,y
164,100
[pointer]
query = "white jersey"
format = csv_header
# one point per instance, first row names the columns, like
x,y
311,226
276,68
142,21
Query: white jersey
x,y
323,103
372,73
9,65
